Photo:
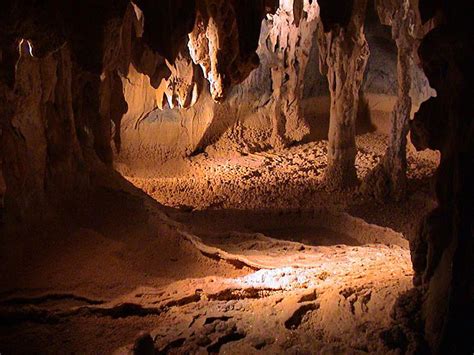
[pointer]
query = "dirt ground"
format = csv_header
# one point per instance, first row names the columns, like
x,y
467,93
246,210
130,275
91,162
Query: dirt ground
x,y
222,253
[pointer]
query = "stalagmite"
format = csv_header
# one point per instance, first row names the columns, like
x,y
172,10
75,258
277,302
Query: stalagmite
x,y
290,38
389,178
343,57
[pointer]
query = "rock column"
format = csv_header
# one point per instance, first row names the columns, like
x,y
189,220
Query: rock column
x,y
343,57
389,178
290,37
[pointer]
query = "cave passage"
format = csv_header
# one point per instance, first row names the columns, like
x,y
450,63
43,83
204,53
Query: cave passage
x,y
257,176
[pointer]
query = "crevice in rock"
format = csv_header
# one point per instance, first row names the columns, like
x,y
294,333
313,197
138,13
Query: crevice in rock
x,y
297,317
235,335
244,293
49,297
210,320
175,344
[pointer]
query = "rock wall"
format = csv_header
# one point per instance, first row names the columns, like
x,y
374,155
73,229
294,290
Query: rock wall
x,y
61,97
42,160
49,82
448,231
440,310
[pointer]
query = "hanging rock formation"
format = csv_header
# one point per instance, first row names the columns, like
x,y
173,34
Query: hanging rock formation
x,y
246,117
166,24
181,89
171,112
289,43
224,40
343,52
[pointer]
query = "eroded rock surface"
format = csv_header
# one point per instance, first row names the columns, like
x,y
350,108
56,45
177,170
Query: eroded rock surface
x,y
41,152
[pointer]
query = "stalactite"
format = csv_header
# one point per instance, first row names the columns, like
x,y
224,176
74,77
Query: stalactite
x,y
217,46
343,57
166,24
181,89
292,29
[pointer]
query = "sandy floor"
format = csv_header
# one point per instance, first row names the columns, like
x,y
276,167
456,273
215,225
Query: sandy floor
x,y
251,255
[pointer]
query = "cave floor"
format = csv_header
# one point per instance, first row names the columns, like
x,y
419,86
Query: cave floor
x,y
249,254
283,180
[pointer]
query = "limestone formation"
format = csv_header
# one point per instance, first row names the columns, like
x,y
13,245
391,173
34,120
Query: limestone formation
x,y
343,52
289,43
41,154
61,92
79,77
243,119
215,43
181,89
389,178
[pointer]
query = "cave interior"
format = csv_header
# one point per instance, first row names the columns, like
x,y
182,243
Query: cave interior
x,y
237,176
